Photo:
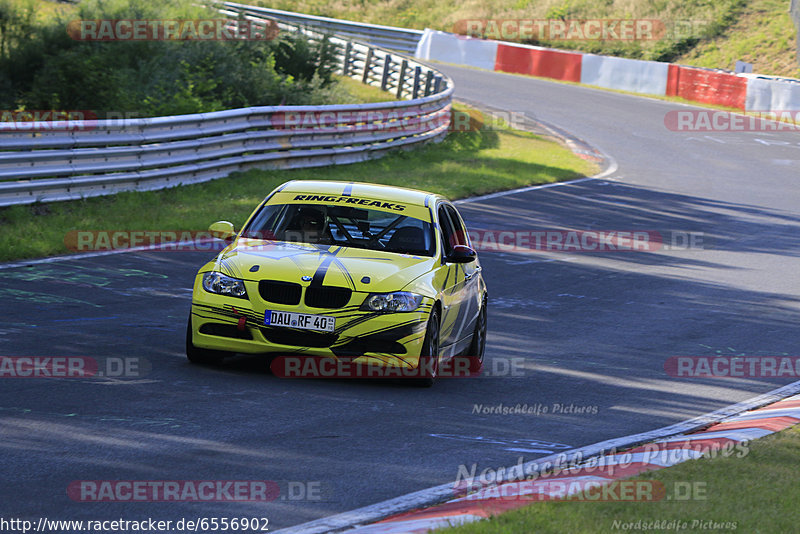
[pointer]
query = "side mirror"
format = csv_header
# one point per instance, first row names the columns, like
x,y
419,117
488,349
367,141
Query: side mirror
x,y
461,254
222,230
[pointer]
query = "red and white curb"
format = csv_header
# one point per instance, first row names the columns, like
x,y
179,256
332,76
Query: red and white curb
x,y
596,472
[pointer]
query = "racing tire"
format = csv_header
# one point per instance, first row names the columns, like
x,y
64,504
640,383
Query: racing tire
x,y
200,356
429,355
477,347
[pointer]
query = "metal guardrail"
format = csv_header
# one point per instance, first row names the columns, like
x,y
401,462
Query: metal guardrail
x,y
106,156
390,37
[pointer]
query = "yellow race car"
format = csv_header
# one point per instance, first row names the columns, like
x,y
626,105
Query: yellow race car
x,y
344,272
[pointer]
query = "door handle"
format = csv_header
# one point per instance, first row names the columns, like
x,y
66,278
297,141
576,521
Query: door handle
x,y
472,274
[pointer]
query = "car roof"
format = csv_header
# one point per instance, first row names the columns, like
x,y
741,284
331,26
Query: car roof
x,y
361,189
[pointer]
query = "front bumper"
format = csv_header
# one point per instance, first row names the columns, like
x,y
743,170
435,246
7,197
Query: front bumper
x,y
232,324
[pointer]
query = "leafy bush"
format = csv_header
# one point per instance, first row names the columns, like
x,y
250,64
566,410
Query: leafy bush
x,y
42,67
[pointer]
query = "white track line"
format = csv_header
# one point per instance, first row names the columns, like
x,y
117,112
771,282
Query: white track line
x,y
87,255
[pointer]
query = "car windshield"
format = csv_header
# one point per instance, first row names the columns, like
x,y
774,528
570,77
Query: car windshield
x,y
331,224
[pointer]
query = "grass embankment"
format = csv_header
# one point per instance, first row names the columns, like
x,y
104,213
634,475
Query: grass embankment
x,y
763,34
759,492
758,31
465,164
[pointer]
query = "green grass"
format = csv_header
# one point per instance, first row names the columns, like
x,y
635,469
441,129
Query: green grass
x,y
760,492
361,93
763,35
465,164
352,91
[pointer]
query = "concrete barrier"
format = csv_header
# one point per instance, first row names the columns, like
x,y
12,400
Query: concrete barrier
x,y
645,77
772,95
451,48
707,86
538,61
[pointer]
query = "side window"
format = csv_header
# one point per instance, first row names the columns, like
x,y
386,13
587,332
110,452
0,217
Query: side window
x,y
460,233
264,224
447,231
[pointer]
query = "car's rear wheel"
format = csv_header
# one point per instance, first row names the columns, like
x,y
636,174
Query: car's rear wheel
x,y
477,348
429,355
198,355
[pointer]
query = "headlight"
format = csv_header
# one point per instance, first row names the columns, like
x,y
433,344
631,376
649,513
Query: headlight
x,y
399,301
215,282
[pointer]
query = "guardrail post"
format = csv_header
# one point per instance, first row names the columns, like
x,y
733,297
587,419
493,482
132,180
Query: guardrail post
x,y
387,66
347,49
367,62
428,82
402,78
437,85
417,74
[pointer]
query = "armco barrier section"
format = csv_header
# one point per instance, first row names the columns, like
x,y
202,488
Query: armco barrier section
x,y
390,37
452,48
707,86
41,162
644,77
538,61
772,95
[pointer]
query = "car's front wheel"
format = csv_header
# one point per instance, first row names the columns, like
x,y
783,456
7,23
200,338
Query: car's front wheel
x,y
198,355
478,346
429,355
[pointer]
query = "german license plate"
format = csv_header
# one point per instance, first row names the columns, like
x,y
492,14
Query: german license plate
x,y
306,321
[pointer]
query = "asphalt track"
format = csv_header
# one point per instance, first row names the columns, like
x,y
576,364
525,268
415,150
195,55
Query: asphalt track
x,y
591,330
